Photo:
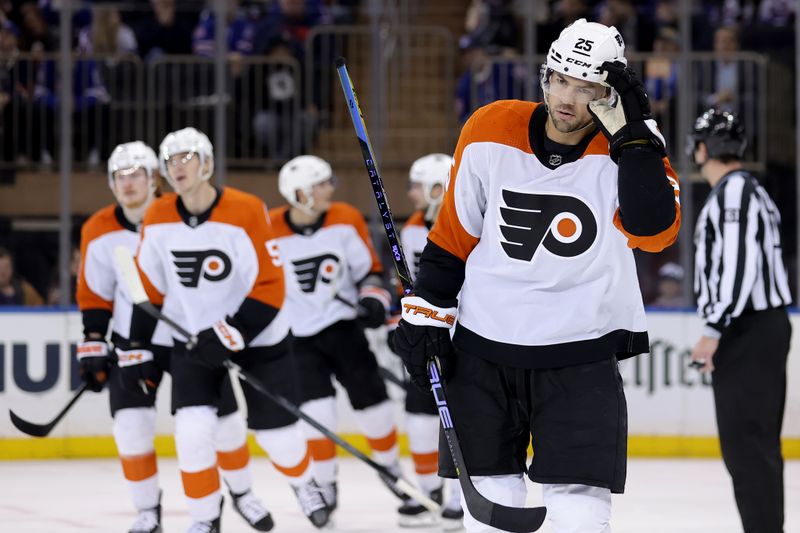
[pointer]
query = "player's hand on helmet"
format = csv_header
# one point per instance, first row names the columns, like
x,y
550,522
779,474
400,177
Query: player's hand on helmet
x,y
628,122
373,305
217,344
423,333
138,372
94,363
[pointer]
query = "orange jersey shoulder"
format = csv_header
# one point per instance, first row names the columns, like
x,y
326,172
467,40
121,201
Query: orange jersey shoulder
x,y
503,122
102,222
343,213
163,210
277,219
417,218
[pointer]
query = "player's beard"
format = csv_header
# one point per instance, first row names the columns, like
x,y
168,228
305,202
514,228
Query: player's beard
x,y
565,126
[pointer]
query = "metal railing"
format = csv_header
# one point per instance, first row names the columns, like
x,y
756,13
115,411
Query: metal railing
x,y
404,81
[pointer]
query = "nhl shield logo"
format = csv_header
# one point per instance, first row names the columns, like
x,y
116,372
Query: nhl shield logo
x,y
554,160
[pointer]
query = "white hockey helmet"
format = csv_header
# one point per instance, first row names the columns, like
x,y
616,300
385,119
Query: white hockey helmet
x,y
301,174
431,170
132,155
184,141
580,50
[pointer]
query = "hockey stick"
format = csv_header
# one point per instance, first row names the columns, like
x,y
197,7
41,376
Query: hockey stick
x,y
401,488
514,519
42,430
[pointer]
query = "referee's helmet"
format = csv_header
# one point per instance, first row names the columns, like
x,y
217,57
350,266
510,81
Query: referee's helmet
x,y
721,132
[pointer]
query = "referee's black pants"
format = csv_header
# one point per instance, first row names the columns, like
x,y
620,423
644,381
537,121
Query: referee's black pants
x,y
749,382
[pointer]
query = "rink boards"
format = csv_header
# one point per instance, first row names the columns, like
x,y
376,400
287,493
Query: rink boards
x,y
670,405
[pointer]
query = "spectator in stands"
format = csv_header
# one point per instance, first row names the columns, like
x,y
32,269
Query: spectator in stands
x,y
670,288
286,119
54,293
487,77
8,74
107,34
726,80
164,31
13,289
565,12
492,23
36,35
242,22
637,30
661,83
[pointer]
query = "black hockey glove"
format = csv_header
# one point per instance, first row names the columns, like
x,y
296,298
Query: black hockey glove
x,y
373,303
628,123
93,363
217,344
138,372
423,333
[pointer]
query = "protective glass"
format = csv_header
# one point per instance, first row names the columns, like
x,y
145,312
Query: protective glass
x,y
182,158
565,91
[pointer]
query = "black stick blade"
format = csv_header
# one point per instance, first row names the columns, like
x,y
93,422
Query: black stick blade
x,y
42,430
29,428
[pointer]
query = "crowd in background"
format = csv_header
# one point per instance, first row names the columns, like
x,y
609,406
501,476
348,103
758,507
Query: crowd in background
x,y
279,28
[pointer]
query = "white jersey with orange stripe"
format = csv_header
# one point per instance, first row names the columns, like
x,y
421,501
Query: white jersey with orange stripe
x,y
413,237
323,265
100,287
547,260
205,267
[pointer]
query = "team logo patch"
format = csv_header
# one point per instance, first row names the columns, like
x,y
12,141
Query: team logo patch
x,y
564,225
213,265
321,268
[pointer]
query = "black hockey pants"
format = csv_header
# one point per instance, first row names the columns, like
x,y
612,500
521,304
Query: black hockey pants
x,y
749,384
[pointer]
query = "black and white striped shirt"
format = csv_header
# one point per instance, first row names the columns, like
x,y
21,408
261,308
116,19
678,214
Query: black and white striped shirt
x,y
738,263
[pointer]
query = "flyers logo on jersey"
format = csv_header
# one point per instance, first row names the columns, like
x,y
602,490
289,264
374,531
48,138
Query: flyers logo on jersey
x,y
321,268
214,265
564,225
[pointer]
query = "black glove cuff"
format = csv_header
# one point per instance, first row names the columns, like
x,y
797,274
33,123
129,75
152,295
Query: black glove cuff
x,y
634,135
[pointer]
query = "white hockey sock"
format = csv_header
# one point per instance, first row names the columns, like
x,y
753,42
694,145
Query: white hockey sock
x,y
233,456
195,432
508,490
288,452
377,423
453,498
134,430
423,440
322,449
573,508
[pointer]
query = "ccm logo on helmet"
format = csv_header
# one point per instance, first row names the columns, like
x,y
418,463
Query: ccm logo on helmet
x,y
578,62
214,265
563,225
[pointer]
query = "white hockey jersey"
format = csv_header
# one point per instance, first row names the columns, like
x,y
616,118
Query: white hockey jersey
x,y
323,267
550,275
203,267
414,237
100,285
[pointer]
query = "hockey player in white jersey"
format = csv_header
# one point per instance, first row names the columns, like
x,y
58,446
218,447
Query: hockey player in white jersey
x,y
334,290
427,179
531,261
101,297
207,256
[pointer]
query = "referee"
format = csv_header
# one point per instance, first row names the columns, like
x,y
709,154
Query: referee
x,y
742,292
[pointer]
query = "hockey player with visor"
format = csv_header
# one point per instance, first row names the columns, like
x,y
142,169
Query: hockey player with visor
x,y
207,257
530,267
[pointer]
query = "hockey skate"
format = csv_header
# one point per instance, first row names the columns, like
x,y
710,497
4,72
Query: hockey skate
x,y
412,514
205,527
252,510
148,521
210,526
330,493
452,517
312,503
